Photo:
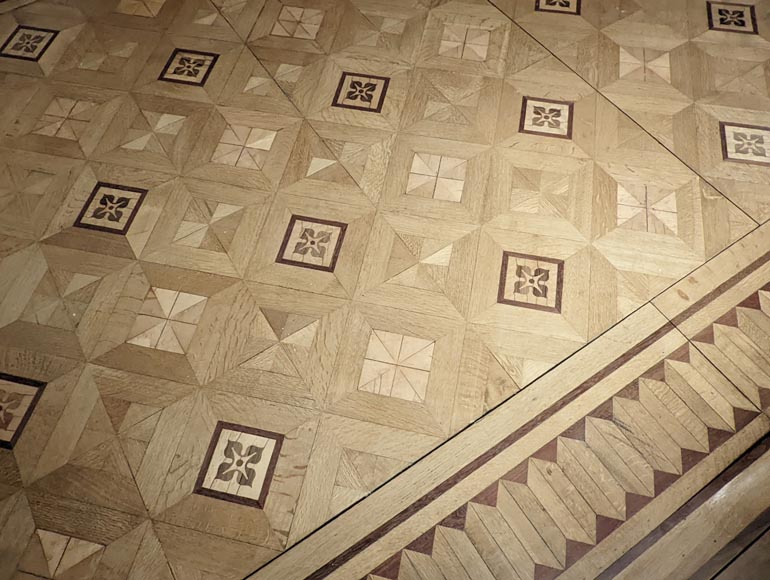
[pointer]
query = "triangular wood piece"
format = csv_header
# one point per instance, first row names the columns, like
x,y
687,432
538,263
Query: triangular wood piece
x,y
389,568
488,496
456,520
424,543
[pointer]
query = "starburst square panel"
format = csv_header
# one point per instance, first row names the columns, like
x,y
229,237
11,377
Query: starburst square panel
x,y
239,464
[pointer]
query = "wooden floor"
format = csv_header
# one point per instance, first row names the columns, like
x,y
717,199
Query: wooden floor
x,y
384,289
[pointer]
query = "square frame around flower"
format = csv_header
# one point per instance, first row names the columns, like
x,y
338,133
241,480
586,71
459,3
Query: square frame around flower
x,y
32,47
305,248
531,281
111,208
546,117
182,69
745,143
239,464
361,92
732,17
18,398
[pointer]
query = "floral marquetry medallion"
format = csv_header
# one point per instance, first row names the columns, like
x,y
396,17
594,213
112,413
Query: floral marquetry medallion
x,y
745,143
18,398
396,365
28,43
111,208
189,67
732,17
531,282
361,92
312,243
546,117
239,464
559,6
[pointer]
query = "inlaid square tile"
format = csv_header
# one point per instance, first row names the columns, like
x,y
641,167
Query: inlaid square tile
x,y
465,42
18,398
167,320
297,22
312,243
732,17
646,208
242,146
239,464
396,365
28,43
145,8
531,282
437,177
745,143
361,92
189,67
546,117
111,208
561,6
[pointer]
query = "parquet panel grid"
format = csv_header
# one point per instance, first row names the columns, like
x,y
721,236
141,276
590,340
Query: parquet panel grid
x,y
259,257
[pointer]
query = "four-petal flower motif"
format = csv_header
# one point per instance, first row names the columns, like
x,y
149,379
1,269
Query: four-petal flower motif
x,y
109,207
531,281
315,243
9,402
734,17
561,3
749,144
28,42
361,91
239,463
190,67
542,116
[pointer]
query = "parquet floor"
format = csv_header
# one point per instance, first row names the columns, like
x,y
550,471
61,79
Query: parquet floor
x,y
406,289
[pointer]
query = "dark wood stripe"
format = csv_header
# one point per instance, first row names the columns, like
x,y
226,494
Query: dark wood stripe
x,y
721,289
736,468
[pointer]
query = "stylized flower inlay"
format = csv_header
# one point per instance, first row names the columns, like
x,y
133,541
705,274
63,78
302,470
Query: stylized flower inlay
x,y
9,402
561,3
749,144
734,17
239,463
313,242
28,42
190,67
361,91
109,207
531,281
542,116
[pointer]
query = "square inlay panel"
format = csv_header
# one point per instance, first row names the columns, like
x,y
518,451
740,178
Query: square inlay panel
x,y
531,282
312,243
437,177
18,398
731,17
745,143
28,43
396,365
167,320
561,6
111,208
546,117
361,92
296,22
239,464
465,42
189,67
241,146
